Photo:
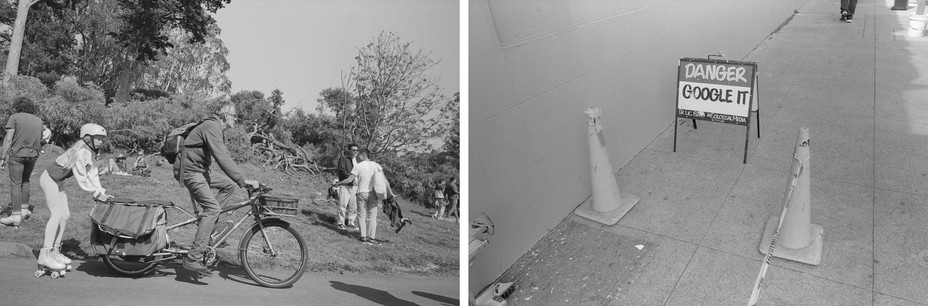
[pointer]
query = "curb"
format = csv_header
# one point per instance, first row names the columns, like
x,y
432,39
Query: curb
x,y
12,249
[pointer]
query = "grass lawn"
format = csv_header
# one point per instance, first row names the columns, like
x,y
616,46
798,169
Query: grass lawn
x,y
426,247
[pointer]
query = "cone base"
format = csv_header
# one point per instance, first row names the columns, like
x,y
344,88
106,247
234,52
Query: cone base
x,y
811,254
607,217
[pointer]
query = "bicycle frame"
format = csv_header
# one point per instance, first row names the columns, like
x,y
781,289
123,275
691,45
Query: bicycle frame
x,y
254,212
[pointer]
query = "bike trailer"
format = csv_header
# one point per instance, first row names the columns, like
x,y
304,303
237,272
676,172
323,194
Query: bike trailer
x,y
128,228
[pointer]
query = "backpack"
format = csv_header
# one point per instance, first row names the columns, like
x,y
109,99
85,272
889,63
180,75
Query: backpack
x,y
175,141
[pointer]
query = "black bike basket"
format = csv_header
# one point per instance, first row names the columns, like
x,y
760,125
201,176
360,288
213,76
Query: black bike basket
x,y
279,205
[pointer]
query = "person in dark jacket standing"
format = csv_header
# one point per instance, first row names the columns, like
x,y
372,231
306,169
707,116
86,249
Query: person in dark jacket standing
x,y
347,201
203,145
451,192
21,148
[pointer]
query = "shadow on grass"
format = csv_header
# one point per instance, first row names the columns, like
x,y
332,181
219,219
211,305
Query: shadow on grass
x,y
327,221
441,299
72,248
374,295
423,214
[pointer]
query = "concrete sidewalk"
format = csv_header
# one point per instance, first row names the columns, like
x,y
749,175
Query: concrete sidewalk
x,y
862,90
93,283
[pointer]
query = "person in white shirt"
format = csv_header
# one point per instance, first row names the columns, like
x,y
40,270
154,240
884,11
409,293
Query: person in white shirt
x,y
372,189
77,161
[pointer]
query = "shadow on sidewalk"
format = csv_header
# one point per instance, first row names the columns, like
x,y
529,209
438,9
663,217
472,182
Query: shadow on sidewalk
x,y
224,270
441,299
374,295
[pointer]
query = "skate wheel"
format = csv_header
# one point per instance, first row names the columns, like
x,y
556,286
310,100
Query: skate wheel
x,y
55,275
39,273
68,268
62,272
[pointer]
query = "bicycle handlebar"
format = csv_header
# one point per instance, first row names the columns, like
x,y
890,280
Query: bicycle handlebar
x,y
258,187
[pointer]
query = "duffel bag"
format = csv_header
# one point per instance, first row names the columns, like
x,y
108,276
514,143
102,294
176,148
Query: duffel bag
x,y
104,243
127,219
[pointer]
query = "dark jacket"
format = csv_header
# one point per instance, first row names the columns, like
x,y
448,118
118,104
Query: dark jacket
x,y
451,189
344,167
205,144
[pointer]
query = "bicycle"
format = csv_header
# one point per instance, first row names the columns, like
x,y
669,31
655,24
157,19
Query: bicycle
x,y
272,252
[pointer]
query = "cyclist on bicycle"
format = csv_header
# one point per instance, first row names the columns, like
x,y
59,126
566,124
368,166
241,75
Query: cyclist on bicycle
x,y
201,146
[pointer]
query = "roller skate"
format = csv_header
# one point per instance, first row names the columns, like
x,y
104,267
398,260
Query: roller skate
x,y
55,253
47,265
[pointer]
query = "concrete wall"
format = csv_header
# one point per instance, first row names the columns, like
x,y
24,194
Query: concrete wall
x,y
535,66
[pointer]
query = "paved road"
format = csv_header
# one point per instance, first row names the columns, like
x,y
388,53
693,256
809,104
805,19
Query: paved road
x,y
92,282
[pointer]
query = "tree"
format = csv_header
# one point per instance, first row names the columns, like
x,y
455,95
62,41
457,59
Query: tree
x,y
49,46
343,104
449,129
143,33
115,39
395,99
16,43
194,69
255,111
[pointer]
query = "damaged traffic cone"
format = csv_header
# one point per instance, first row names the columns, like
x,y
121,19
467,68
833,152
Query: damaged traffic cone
x,y
798,239
607,205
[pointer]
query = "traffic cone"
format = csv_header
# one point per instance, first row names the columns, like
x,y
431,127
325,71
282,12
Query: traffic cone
x,y
607,205
798,239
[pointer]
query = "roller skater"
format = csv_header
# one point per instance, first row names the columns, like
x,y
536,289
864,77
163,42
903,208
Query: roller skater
x,y
48,265
76,162
55,253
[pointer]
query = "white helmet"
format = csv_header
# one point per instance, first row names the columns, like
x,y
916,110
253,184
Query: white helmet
x,y
92,130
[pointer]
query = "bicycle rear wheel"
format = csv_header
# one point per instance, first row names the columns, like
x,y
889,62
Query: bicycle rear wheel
x,y
129,265
274,257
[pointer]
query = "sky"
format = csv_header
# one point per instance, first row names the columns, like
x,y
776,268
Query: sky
x,y
302,47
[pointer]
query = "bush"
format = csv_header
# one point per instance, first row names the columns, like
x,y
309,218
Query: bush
x,y
21,86
414,174
240,147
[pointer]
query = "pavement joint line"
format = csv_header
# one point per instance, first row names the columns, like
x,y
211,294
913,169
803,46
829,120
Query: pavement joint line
x,y
764,167
873,184
677,282
900,191
896,120
725,201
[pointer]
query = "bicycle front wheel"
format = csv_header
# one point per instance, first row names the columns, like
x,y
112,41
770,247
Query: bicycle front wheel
x,y
274,256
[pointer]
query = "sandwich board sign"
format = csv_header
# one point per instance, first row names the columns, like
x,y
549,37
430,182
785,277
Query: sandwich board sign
x,y
718,91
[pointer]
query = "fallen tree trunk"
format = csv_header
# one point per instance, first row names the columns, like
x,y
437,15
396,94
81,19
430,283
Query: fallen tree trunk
x,y
290,158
